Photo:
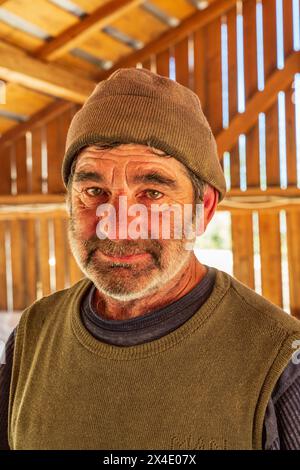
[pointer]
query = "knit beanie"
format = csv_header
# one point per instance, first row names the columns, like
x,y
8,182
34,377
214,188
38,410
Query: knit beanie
x,y
138,106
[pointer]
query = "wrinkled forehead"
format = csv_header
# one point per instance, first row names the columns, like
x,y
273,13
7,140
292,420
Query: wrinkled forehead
x,y
129,155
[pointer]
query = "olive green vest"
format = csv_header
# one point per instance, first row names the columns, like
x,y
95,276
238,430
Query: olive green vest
x,y
205,385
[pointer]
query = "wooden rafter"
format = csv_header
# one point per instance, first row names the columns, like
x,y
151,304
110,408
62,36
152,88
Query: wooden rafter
x,y
175,35
260,102
18,67
41,117
78,32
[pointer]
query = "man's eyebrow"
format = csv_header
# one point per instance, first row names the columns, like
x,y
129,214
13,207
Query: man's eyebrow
x,y
88,176
155,177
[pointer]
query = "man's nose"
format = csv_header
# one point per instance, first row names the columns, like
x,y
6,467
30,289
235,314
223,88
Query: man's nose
x,y
122,203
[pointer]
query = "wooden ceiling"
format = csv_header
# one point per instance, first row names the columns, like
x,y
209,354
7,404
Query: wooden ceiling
x,y
54,50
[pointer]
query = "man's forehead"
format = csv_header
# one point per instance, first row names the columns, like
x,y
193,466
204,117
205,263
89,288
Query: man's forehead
x,y
128,155
122,149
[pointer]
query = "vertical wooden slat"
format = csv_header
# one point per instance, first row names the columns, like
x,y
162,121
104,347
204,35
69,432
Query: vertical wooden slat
x,y
5,162
233,97
3,284
36,173
31,280
270,254
60,269
269,34
163,63
44,267
272,147
250,68
291,150
17,258
288,26
214,75
20,159
293,224
181,54
147,64
242,247
55,156
200,67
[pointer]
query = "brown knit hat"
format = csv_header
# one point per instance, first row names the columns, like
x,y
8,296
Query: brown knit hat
x,y
137,106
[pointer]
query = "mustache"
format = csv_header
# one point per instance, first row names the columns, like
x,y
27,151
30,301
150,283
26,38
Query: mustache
x,y
123,248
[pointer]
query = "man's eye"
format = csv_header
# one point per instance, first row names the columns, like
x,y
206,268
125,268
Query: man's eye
x,y
153,194
94,191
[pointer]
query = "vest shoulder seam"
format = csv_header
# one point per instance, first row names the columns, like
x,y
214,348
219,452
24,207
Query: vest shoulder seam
x,y
280,323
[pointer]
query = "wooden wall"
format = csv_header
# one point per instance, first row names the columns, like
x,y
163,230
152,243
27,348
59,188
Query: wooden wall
x,y
196,62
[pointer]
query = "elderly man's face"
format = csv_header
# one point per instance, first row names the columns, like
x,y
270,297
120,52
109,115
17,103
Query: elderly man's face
x,y
127,269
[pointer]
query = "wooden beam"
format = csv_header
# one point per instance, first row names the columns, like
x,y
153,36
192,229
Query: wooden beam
x,y
260,102
31,199
174,35
18,67
290,191
39,118
78,32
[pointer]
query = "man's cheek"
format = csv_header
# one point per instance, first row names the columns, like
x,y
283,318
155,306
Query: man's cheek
x,y
85,224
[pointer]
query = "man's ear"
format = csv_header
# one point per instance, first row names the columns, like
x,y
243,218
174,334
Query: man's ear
x,y
209,205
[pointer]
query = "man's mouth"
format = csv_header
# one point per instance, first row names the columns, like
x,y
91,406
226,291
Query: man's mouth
x,y
133,258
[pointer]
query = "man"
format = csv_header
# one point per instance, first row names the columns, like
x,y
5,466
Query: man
x,y
152,350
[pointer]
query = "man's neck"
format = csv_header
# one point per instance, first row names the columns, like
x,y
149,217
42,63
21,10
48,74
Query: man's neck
x,y
183,283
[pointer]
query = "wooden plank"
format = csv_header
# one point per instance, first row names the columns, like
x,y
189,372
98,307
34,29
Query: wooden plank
x,y
90,6
19,38
70,37
232,62
46,15
79,66
32,199
163,63
250,70
31,266
6,124
260,102
60,250
252,158
214,75
18,67
242,248
5,162
21,168
269,34
270,254
287,27
17,264
272,147
44,255
293,243
145,26
23,101
174,35
235,168
179,9
36,173
232,95
291,150
199,79
43,116
105,47
181,54
147,64
3,283
55,151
